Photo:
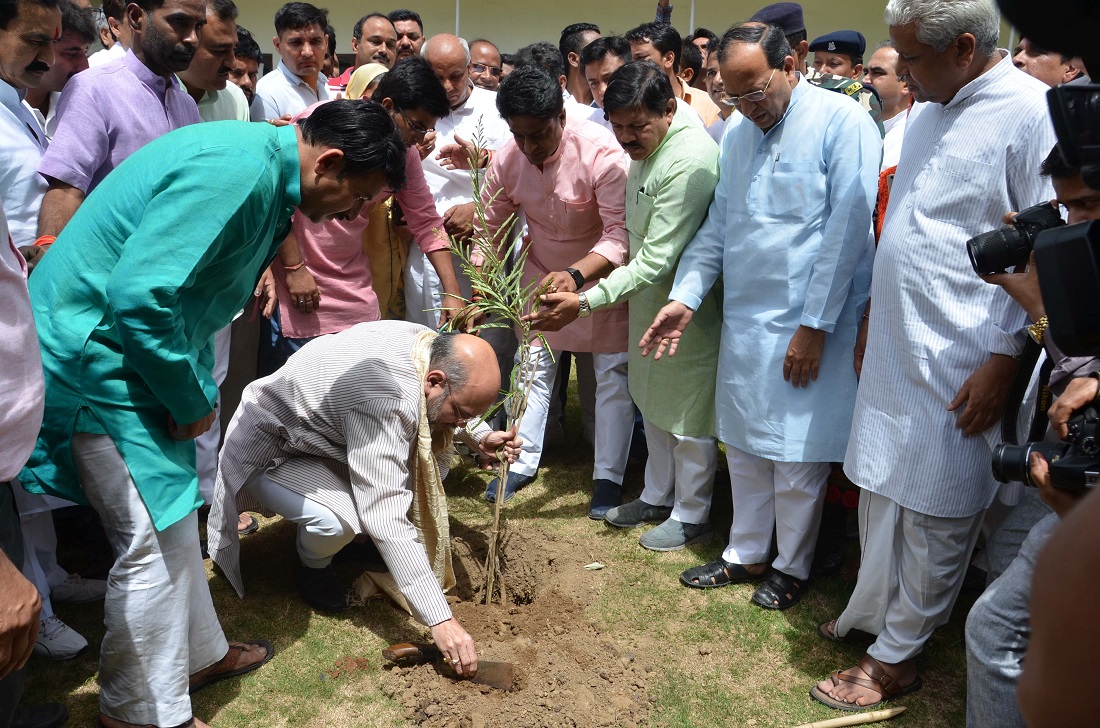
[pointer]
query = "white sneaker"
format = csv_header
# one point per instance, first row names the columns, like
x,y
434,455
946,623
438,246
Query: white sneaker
x,y
78,589
58,641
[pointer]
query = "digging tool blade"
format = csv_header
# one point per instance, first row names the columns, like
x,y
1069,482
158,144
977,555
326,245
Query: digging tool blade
x,y
499,675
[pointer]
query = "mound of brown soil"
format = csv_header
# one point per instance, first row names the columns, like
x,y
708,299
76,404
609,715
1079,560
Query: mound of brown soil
x,y
567,672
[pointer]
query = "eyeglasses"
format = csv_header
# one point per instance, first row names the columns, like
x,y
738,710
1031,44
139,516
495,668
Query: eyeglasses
x,y
415,128
462,416
482,68
753,96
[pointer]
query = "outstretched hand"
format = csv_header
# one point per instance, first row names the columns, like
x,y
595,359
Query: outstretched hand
x,y
456,155
665,331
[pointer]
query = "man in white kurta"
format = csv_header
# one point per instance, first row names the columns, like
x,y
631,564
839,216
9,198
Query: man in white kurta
x,y
790,232
473,113
939,351
342,440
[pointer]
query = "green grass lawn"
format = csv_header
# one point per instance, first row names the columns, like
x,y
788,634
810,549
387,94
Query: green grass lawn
x,y
717,659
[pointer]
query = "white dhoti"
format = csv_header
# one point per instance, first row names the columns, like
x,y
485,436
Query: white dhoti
x,y
680,473
424,292
910,575
775,496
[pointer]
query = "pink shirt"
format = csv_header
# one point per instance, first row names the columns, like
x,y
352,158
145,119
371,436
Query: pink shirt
x,y
21,388
333,252
574,206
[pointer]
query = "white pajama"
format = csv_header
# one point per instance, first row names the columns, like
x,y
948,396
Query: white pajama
x,y
161,625
40,565
680,473
207,444
769,496
614,416
910,575
321,533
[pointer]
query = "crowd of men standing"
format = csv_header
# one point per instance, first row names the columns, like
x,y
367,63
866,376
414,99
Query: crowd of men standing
x,y
738,244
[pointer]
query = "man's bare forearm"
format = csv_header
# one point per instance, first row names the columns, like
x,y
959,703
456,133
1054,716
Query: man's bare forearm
x,y
443,263
59,204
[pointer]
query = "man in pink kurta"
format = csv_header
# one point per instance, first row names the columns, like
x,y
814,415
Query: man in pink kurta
x,y
568,176
331,253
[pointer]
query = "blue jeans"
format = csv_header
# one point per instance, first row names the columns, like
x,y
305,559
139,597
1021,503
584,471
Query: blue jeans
x,y
997,632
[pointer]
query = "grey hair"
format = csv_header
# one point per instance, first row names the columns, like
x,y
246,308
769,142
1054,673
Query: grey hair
x,y
940,22
444,358
465,47
886,44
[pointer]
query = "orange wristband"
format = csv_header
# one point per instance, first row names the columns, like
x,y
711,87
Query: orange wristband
x,y
45,241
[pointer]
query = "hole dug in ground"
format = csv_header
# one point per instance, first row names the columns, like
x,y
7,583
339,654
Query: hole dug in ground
x,y
567,672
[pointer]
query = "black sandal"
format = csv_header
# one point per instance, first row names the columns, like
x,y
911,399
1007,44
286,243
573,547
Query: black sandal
x,y
779,591
714,574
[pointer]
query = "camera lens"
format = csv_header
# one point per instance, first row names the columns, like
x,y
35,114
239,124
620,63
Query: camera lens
x,y
998,250
1010,462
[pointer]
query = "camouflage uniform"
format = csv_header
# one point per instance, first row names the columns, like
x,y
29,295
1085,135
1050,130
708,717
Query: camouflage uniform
x,y
864,95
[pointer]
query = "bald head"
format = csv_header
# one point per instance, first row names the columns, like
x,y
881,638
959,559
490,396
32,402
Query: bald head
x,y
449,57
463,379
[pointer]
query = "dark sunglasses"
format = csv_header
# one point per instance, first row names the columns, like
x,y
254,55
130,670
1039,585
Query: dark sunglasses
x,y
482,68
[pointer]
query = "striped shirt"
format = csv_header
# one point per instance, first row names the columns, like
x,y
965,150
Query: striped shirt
x,y
338,424
963,165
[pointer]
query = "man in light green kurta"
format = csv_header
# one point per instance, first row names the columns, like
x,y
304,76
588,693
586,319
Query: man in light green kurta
x,y
161,255
670,185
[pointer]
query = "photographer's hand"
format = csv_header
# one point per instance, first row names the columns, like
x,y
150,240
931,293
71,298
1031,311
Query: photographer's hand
x,y
1023,287
1062,501
1079,392
984,394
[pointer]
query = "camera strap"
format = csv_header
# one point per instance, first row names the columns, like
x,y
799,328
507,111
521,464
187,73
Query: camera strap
x,y
1028,358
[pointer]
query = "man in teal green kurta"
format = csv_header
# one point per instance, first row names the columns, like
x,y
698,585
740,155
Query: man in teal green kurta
x,y
162,254
670,185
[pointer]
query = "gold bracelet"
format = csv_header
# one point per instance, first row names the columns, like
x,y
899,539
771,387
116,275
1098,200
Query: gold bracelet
x,y
1037,329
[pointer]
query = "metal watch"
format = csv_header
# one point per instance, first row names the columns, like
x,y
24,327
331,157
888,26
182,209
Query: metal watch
x,y
585,310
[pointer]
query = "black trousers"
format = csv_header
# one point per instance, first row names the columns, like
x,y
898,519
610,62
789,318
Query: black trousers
x,y
11,541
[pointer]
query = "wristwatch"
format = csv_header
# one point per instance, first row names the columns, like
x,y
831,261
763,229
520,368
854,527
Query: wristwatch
x,y
1037,329
586,310
578,278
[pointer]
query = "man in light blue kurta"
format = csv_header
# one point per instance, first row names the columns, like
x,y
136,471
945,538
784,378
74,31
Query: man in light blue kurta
x,y
161,255
789,231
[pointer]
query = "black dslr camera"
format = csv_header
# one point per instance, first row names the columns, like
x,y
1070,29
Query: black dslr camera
x,y
1074,465
998,250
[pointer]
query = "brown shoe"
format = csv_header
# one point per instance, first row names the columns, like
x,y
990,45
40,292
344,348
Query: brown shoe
x,y
240,658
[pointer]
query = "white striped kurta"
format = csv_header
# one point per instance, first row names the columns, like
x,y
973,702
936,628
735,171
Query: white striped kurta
x,y
963,165
338,424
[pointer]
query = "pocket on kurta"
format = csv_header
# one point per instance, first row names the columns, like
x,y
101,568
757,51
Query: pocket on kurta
x,y
579,218
794,191
637,219
953,209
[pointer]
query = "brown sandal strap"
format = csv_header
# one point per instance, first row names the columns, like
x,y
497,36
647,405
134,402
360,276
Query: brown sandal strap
x,y
888,685
839,677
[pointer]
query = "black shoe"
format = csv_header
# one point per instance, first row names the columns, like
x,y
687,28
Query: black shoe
x,y
606,494
365,553
49,715
321,589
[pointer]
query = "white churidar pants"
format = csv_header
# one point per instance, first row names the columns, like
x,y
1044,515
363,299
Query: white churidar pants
x,y
40,555
161,625
680,473
770,495
910,575
321,533
614,416
207,444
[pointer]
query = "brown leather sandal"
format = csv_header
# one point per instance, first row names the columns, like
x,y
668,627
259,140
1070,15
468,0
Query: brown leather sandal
x,y
226,667
880,682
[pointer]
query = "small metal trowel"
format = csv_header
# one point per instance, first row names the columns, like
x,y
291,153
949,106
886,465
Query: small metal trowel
x,y
500,675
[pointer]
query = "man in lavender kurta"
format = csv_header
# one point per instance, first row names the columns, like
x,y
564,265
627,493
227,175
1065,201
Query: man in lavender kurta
x,y
109,112
568,175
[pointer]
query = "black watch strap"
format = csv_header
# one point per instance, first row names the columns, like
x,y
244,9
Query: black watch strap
x,y
577,277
